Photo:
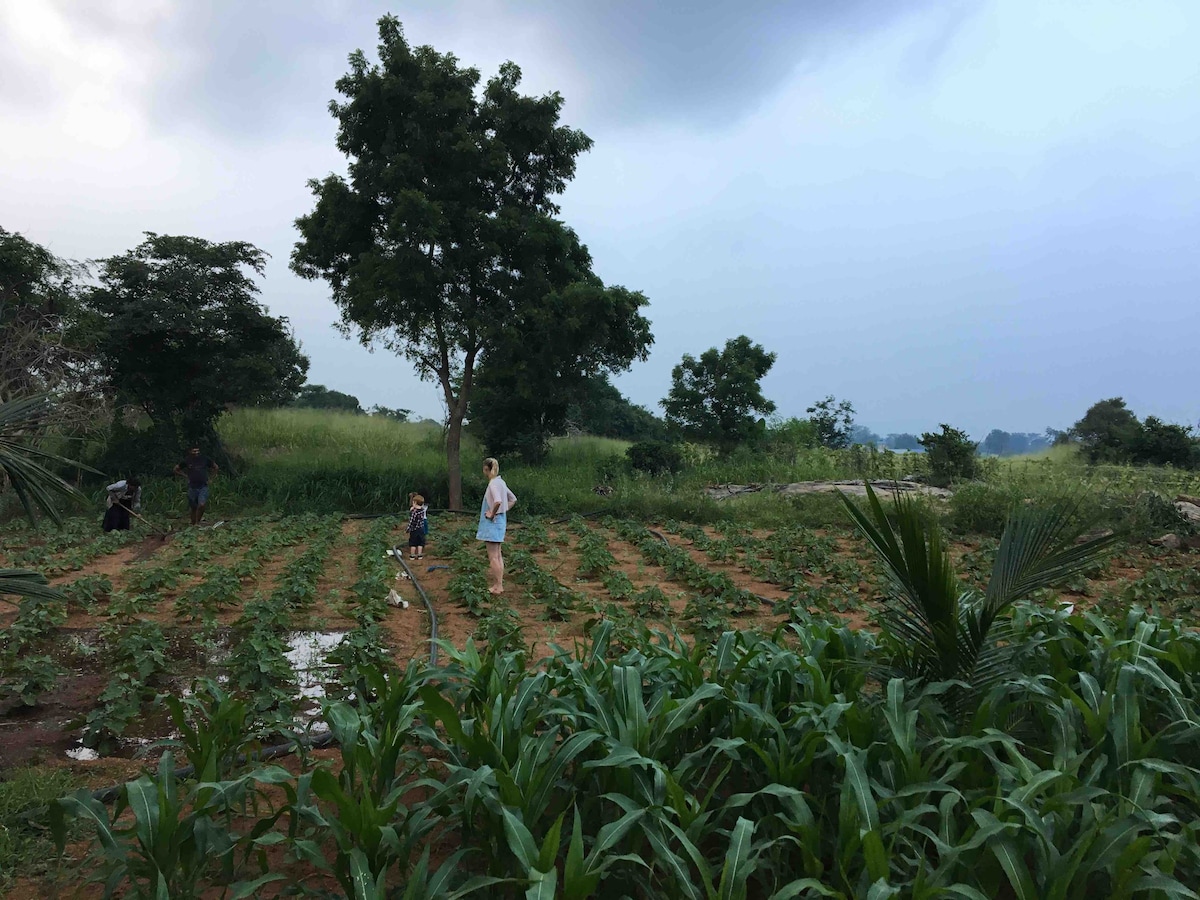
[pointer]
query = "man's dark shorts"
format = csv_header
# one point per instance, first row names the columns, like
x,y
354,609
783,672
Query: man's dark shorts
x,y
198,496
417,539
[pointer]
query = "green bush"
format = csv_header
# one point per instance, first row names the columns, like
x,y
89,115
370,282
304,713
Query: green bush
x,y
1151,515
979,508
655,457
952,455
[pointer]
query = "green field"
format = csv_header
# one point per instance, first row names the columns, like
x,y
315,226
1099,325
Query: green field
x,y
675,697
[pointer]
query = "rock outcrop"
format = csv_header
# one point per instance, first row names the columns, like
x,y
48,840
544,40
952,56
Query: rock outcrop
x,y
856,488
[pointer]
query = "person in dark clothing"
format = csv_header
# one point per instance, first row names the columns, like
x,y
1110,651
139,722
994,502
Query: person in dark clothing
x,y
197,469
122,497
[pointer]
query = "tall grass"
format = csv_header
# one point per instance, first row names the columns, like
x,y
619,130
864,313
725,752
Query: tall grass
x,y
294,460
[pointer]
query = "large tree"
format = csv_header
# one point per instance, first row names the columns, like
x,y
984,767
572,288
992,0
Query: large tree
x,y
39,308
180,333
717,398
442,231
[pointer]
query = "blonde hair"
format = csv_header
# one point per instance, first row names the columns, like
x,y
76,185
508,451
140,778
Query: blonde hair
x,y
417,499
492,465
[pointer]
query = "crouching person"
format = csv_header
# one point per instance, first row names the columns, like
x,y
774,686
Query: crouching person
x,y
123,496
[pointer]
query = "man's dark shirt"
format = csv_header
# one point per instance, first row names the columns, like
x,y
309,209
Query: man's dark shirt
x,y
197,468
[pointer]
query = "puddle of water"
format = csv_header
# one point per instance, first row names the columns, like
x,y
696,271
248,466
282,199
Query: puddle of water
x,y
307,653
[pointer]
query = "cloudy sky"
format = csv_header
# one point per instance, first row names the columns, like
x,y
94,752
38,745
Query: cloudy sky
x,y
981,212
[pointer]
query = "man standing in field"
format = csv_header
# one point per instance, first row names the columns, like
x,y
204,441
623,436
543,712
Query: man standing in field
x,y
197,469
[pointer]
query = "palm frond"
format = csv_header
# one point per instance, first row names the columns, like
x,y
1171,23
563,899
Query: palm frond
x,y
1036,551
36,486
926,596
945,634
27,583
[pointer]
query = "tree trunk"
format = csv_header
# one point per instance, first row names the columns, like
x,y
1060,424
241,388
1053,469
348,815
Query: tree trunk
x,y
454,457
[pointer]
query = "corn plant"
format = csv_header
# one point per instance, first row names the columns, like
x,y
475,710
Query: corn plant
x,y
172,843
214,730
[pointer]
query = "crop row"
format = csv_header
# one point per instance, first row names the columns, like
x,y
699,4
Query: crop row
x,y
541,587
760,768
681,567
363,650
498,625
789,557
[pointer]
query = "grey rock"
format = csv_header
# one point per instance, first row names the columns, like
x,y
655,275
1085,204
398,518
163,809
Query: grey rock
x,y
1168,542
854,488
1189,511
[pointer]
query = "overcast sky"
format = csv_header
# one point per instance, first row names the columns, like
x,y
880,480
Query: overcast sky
x,y
983,213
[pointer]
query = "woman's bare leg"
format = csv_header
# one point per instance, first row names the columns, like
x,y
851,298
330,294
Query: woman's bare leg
x,y
495,567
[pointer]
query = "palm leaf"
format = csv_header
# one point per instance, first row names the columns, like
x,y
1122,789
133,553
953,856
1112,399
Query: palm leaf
x,y
926,595
946,633
36,486
1036,551
27,583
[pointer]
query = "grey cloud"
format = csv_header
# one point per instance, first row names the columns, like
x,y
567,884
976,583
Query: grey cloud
x,y
708,63
256,69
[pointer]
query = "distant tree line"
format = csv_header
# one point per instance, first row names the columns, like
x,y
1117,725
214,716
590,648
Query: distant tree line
x,y
317,396
1003,443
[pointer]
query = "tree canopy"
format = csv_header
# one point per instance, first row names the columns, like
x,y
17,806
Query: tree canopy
x,y
717,398
528,381
953,456
39,307
442,233
1107,431
833,420
178,331
317,396
599,408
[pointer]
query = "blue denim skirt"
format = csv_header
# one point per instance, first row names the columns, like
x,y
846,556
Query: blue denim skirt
x,y
492,531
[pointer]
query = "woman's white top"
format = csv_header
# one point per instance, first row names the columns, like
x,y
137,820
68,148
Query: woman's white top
x,y
498,492
119,490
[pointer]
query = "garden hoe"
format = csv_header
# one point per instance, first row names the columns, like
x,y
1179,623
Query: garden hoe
x,y
163,535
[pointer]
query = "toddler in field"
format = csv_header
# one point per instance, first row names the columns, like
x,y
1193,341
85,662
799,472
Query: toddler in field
x,y
417,526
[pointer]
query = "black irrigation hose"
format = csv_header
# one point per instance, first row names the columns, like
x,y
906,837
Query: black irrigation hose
x,y
433,620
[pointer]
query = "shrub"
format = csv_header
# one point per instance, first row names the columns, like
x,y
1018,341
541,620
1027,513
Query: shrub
x,y
1160,443
981,509
655,457
951,454
1151,514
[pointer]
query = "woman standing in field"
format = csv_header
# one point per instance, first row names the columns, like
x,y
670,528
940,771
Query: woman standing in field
x,y
493,520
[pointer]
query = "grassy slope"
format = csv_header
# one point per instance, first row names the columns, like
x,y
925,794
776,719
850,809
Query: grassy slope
x,y
295,460
311,460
